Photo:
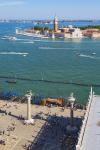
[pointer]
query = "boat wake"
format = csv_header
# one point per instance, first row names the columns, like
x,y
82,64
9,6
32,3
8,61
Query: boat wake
x,y
10,38
28,42
13,53
15,38
89,56
50,41
55,48
3,38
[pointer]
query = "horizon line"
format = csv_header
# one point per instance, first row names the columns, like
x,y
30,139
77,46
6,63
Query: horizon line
x,y
8,19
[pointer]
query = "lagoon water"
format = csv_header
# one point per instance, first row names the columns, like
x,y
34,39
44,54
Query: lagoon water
x,y
57,60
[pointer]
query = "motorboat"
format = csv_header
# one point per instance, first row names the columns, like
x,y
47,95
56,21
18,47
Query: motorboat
x,y
24,55
45,37
12,38
93,53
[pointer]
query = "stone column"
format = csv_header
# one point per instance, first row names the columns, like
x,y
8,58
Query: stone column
x,y
29,95
29,108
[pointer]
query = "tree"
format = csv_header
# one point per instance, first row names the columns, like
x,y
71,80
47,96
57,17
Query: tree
x,y
46,28
42,29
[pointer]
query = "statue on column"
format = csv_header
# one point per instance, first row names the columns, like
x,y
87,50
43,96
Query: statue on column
x,y
29,119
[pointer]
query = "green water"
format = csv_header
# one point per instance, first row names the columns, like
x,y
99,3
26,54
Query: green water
x,y
56,60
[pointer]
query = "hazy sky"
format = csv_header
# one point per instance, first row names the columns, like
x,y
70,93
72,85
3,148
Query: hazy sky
x,y
46,9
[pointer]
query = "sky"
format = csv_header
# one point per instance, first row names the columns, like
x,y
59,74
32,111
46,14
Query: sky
x,y
47,9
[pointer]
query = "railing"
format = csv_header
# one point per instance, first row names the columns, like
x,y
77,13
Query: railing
x,y
82,132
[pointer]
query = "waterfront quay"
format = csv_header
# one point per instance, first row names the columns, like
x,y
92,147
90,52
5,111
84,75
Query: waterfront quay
x,y
67,32
48,131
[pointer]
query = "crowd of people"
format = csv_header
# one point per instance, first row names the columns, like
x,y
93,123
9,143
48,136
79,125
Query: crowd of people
x,y
54,135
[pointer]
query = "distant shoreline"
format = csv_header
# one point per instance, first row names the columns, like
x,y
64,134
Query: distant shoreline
x,y
46,20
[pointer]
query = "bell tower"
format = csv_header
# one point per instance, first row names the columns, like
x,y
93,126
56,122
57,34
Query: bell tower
x,y
55,24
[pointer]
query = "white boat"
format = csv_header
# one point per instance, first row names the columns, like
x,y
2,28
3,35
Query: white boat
x,y
12,38
45,37
93,53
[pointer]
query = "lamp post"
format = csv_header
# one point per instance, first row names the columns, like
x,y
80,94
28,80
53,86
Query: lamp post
x,y
71,100
71,128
